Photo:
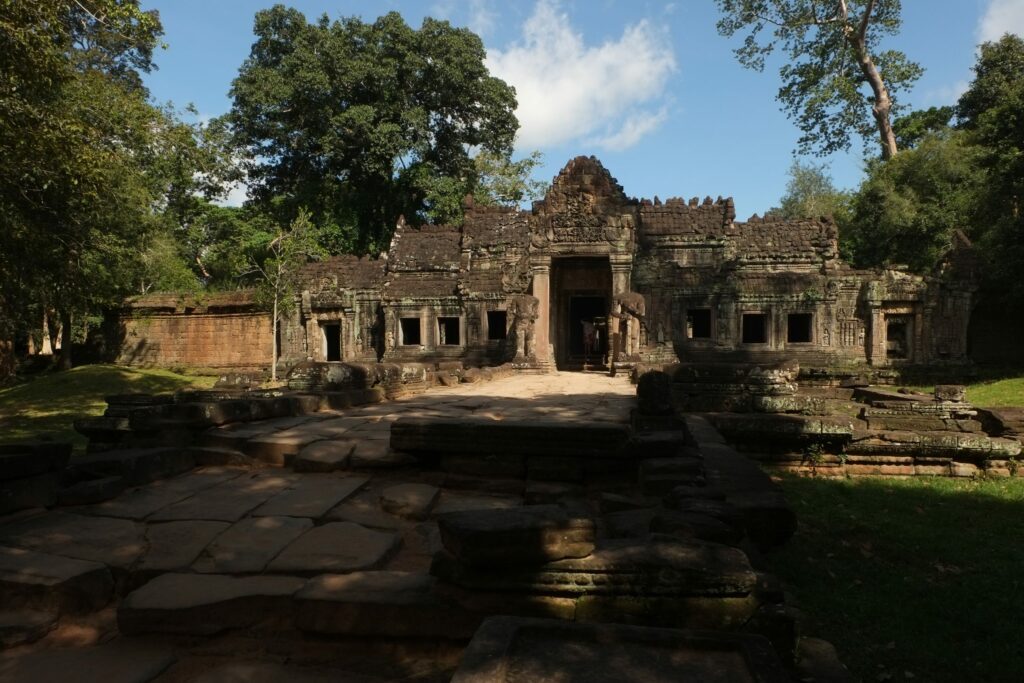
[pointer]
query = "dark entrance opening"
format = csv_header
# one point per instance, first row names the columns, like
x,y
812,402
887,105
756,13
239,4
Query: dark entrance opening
x,y
799,329
581,290
332,341
587,315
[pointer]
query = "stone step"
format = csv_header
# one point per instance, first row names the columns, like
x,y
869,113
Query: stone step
x,y
18,627
37,580
119,661
206,604
138,465
381,603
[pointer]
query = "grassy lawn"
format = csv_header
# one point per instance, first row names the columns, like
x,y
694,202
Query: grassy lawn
x,y
919,579
46,405
993,393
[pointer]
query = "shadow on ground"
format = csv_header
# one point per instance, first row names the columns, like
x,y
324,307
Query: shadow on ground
x,y
911,579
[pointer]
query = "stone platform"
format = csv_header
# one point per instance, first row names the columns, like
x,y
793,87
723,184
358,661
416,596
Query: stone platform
x,y
308,548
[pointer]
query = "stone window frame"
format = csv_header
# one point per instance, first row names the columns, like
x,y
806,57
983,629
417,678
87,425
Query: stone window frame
x,y
767,315
811,328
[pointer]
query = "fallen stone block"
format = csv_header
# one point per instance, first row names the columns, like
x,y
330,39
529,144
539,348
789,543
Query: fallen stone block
x,y
278,449
29,492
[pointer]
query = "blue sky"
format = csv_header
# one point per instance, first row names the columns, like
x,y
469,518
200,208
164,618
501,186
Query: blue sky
x,y
649,87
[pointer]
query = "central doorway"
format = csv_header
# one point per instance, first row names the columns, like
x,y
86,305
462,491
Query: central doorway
x,y
580,299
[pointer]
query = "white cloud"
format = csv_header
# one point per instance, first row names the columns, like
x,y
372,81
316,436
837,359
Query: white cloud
x,y
482,17
632,129
1001,16
612,94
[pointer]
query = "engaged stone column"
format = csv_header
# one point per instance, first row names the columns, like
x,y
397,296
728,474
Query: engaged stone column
x,y
542,290
621,268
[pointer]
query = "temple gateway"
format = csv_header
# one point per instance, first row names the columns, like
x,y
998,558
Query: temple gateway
x,y
587,277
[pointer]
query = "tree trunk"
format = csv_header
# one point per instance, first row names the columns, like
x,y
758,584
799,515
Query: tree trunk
x,y
65,341
883,105
47,345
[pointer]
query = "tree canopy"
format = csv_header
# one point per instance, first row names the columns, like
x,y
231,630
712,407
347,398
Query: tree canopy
x,y
837,81
364,122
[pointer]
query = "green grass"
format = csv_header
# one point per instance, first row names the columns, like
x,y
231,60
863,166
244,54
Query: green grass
x,y
45,406
922,576
993,393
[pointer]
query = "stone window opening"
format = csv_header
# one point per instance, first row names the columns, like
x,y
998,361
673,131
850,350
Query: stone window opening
x,y
448,332
896,338
698,323
410,328
332,341
497,325
799,328
755,328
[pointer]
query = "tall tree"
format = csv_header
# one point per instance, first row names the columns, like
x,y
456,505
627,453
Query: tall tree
x,y
275,257
76,136
908,207
364,122
991,112
810,192
835,74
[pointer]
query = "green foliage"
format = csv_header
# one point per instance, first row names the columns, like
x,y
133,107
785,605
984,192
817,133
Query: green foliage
x,y
503,182
911,129
991,112
361,123
810,193
908,207
836,80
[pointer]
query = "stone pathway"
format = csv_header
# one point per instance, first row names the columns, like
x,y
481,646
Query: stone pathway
x,y
227,546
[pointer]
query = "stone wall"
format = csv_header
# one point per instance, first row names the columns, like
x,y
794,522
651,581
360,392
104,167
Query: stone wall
x,y
220,334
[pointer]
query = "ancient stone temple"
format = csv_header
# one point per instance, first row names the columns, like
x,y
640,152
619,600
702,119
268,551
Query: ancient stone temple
x,y
591,276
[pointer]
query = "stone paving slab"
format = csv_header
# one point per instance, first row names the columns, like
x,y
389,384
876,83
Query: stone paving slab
x,y
277,448
366,513
51,582
273,672
312,495
174,546
114,542
250,544
120,661
376,453
142,502
336,547
229,501
324,456
205,604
